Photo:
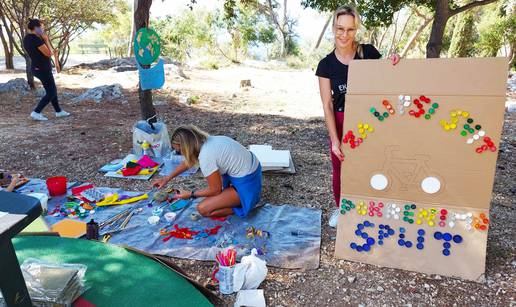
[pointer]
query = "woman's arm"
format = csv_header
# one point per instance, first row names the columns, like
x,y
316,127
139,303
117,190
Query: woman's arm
x,y
159,183
14,182
329,116
214,187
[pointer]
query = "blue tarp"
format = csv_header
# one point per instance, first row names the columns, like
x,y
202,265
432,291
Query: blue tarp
x,y
294,241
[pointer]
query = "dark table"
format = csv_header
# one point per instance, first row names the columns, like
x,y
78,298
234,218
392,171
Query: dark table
x,y
16,212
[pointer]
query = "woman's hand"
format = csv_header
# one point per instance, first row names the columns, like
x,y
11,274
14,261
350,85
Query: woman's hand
x,y
15,178
161,182
335,148
183,194
395,58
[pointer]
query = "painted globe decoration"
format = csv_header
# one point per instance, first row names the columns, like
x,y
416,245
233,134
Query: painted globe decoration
x,y
147,46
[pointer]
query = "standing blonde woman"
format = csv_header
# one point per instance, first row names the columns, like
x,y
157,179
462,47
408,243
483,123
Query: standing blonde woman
x,y
233,173
333,78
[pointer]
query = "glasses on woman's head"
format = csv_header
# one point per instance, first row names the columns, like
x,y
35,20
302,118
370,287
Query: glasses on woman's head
x,y
339,31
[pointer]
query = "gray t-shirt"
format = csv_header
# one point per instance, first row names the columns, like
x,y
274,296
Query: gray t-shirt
x,y
223,154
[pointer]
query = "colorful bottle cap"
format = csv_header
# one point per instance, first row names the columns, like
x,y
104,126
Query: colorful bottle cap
x,y
447,236
438,235
457,239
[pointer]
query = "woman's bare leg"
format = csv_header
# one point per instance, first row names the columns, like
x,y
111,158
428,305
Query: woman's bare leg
x,y
220,205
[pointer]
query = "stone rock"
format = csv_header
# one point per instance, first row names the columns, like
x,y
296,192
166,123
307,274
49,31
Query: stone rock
x,y
245,83
379,289
15,85
101,93
124,68
159,103
40,92
351,279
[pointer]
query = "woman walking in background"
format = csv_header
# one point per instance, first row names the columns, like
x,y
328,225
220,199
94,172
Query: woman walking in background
x,y
38,48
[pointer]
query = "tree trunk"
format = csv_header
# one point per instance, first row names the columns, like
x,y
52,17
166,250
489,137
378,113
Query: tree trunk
x,y
28,71
435,43
414,37
131,37
8,52
141,20
321,35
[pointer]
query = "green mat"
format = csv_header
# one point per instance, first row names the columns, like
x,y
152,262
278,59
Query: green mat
x,y
117,276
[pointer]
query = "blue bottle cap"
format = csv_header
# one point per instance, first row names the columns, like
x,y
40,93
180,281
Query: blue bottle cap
x,y
402,236
364,235
370,241
420,246
421,232
457,239
353,245
446,252
446,245
359,248
380,232
413,206
447,236
380,242
438,235
360,226
380,237
421,239
358,232
366,223
402,230
366,247
408,244
381,226
401,242
390,231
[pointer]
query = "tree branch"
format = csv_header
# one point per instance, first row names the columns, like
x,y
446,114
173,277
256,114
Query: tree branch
x,y
470,6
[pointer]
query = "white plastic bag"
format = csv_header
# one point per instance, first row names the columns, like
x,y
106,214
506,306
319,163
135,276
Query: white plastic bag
x,y
250,272
152,142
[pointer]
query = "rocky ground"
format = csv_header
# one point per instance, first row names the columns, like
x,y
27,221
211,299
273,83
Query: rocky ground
x,y
277,111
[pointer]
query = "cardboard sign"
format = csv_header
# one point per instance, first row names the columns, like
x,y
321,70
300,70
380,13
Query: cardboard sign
x,y
428,164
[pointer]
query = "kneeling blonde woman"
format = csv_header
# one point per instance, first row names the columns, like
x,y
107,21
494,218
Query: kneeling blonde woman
x,y
233,173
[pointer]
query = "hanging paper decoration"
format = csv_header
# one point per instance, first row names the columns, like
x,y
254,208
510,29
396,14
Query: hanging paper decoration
x,y
152,78
147,46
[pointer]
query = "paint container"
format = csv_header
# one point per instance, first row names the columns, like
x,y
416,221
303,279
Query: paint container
x,y
92,230
225,277
170,216
153,220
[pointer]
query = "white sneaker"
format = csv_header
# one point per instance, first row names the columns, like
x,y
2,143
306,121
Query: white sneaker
x,y
38,116
334,218
63,113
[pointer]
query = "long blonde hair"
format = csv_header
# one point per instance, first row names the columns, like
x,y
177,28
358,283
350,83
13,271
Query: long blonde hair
x,y
190,138
351,11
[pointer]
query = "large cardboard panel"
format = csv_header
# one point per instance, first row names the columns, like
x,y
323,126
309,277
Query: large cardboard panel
x,y
407,149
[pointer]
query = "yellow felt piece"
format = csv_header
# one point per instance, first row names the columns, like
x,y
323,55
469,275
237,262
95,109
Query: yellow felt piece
x,y
113,200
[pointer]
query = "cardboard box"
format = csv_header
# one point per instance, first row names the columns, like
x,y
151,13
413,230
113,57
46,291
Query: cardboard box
x,y
406,150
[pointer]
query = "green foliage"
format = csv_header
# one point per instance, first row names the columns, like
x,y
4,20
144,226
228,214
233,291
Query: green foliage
x,y
462,41
496,28
180,35
116,34
374,13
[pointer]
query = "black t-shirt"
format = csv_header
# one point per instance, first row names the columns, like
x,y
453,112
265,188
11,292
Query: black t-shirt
x,y
330,67
31,42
